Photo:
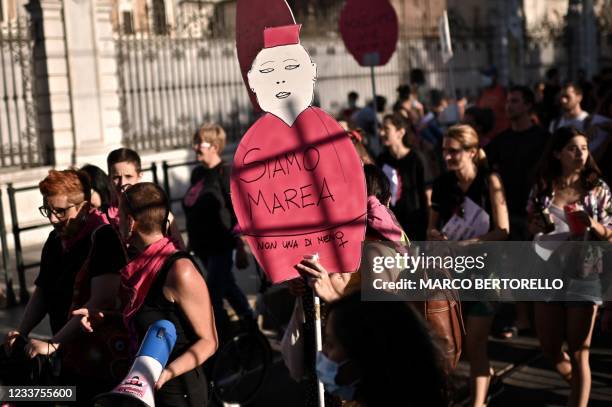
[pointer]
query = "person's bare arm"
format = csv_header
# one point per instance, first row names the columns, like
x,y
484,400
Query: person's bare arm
x,y
428,191
432,232
601,231
339,282
186,287
34,313
104,291
320,280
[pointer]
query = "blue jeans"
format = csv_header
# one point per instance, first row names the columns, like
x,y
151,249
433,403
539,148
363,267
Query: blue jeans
x,y
222,284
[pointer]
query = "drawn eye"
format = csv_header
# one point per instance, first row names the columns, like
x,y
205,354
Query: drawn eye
x,y
267,70
291,67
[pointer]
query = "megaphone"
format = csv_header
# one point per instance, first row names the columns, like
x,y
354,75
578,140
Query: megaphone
x,y
137,389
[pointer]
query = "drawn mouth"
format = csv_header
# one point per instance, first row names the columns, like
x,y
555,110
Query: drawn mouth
x,y
283,95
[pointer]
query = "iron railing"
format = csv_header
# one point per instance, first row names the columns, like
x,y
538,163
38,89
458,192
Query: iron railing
x,y
21,265
8,280
169,86
19,141
172,80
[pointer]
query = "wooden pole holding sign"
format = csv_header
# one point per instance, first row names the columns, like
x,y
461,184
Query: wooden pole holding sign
x,y
374,101
319,342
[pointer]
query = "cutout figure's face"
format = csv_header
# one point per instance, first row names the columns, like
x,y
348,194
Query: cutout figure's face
x,y
283,79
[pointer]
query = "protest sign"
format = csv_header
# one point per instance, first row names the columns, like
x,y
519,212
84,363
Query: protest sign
x,y
297,183
369,30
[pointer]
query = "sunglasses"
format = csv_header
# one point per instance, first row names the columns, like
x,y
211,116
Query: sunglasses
x,y
203,144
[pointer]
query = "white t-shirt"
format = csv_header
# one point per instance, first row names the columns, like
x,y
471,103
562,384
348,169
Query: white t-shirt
x,y
577,122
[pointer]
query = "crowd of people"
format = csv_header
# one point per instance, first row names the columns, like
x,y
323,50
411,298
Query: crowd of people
x,y
116,262
517,153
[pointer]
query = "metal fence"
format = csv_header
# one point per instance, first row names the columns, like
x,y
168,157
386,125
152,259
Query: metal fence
x,y
168,86
19,142
4,266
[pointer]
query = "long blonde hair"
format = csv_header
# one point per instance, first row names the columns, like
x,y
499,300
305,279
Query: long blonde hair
x,y
468,138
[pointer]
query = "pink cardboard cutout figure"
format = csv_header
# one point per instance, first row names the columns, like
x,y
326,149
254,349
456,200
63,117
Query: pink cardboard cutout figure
x,y
297,183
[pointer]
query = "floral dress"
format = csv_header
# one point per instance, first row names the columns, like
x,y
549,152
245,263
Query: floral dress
x,y
597,202
581,265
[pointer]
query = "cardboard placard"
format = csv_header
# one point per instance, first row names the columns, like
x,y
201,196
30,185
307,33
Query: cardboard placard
x,y
297,183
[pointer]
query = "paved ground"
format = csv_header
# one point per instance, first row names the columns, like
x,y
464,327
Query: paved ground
x,y
526,377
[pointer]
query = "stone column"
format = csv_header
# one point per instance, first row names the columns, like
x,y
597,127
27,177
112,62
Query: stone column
x,y
52,95
76,76
93,78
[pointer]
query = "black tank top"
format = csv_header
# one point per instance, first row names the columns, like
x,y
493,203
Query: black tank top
x,y
156,307
447,197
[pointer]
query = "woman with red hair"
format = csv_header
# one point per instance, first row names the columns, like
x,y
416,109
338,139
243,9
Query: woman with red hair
x,y
80,265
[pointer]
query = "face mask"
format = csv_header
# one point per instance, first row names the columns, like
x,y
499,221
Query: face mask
x,y
327,370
